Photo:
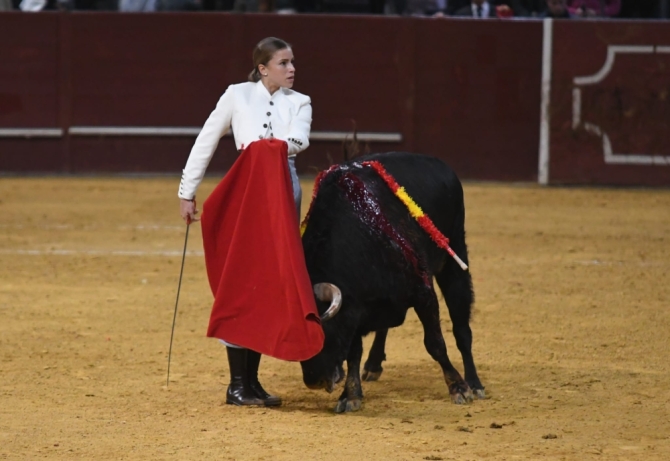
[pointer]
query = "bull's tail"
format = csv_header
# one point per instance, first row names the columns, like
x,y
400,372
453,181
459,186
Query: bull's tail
x,y
454,282
457,236
456,287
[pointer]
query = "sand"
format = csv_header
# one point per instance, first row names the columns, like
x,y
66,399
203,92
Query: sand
x,y
570,336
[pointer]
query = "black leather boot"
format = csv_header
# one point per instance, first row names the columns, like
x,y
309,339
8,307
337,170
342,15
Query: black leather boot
x,y
239,391
253,361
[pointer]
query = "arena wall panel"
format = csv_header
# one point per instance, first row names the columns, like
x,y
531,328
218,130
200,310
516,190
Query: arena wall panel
x,y
29,70
610,103
478,96
464,90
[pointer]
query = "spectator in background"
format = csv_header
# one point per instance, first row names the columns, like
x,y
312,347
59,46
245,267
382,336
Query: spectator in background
x,y
33,5
178,5
247,6
455,5
265,6
477,9
532,8
426,7
217,5
346,6
42,5
641,9
556,9
134,6
594,8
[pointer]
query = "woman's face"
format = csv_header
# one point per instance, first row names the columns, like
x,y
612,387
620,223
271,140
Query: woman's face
x,y
280,71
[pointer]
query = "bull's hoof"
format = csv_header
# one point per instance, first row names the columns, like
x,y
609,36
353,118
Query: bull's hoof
x,y
480,394
371,375
477,388
462,398
461,394
347,405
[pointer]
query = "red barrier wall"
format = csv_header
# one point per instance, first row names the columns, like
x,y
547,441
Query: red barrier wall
x,y
610,103
29,77
477,94
30,90
467,91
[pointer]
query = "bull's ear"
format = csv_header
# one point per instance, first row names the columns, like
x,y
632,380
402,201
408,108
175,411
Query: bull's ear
x,y
327,292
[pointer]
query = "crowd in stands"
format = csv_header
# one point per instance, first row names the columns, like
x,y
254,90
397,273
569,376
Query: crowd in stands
x,y
433,8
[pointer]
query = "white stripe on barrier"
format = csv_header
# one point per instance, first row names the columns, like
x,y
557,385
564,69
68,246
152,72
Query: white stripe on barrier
x,y
194,131
133,131
545,99
177,131
31,133
363,136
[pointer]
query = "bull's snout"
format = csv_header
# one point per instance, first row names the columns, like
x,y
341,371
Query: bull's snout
x,y
328,382
317,385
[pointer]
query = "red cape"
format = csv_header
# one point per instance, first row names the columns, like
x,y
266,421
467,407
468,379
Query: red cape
x,y
263,297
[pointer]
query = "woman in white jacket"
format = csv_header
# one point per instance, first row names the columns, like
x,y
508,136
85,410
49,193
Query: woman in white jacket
x,y
264,107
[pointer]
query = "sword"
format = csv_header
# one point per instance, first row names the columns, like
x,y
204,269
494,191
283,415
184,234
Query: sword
x,y
174,319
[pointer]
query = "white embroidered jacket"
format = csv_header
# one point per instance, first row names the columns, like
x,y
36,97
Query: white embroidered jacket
x,y
254,114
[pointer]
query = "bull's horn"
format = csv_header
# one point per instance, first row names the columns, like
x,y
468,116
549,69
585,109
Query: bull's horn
x,y
329,292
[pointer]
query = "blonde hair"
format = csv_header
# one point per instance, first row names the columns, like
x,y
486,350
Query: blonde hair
x,y
263,53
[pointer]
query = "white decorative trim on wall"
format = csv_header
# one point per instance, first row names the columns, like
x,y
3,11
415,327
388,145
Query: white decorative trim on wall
x,y
612,158
612,51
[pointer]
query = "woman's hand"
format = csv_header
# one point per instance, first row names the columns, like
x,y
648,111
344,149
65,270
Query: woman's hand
x,y
188,210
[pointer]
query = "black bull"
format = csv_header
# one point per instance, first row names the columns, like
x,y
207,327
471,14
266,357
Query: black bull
x,y
361,238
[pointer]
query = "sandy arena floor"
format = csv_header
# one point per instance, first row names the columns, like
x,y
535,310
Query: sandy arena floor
x,y
571,337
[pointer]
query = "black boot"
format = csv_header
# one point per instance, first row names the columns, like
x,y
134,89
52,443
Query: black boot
x,y
253,361
239,392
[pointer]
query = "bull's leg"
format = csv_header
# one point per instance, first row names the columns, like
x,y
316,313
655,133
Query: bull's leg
x,y
456,288
372,369
352,396
429,315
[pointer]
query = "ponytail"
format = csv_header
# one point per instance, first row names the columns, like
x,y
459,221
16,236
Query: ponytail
x,y
254,75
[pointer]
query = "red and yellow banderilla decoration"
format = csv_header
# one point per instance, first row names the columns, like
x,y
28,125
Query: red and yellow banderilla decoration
x,y
414,210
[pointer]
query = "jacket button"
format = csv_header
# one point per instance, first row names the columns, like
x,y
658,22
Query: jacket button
x,y
268,114
272,103
265,125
